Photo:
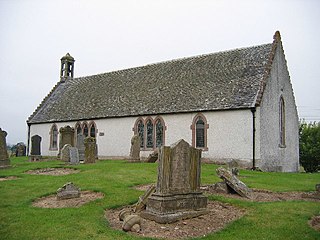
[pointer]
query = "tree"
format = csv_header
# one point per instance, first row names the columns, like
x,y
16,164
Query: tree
x,y
309,144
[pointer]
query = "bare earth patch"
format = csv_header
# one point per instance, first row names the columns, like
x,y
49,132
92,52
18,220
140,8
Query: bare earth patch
x,y
315,223
52,171
219,215
8,178
52,202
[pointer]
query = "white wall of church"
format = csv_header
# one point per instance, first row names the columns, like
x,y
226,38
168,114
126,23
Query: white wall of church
x,y
229,135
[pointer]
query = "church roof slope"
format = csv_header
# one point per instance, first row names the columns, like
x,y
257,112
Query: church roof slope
x,y
218,81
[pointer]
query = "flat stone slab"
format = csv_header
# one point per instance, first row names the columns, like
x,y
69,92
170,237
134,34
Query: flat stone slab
x,y
232,181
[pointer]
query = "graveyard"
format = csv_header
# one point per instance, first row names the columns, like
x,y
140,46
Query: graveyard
x,y
279,206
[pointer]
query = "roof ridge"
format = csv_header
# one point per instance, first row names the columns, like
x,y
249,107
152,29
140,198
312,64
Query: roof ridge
x,y
170,61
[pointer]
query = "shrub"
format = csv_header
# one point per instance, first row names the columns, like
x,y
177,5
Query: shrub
x,y
309,144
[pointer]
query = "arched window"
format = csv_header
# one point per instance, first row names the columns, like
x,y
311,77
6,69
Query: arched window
x,y
54,137
140,132
199,129
92,129
200,133
159,133
78,130
85,129
282,122
149,126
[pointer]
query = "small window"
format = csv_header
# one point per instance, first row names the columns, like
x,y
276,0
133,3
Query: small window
x,y
282,122
85,130
159,133
141,133
200,133
92,130
54,137
149,126
199,129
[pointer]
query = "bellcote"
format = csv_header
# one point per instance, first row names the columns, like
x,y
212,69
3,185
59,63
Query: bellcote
x,y
67,67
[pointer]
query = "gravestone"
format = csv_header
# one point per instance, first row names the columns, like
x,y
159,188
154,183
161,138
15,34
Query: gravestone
x,y
233,182
21,150
177,194
135,148
89,150
65,153
153,157
35,154
80,146
74,155
66,137
4,158
67,191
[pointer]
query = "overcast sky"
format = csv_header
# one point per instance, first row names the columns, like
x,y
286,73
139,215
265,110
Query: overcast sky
x,y
104,36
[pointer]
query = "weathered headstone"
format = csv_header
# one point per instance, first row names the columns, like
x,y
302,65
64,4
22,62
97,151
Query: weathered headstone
x,y
80,146
233,182
35,154
90,150
4,158
135,148
66,137
67,191
178,194
21,150
65,153
74,155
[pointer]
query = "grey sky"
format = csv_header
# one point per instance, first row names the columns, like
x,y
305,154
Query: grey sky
x,y
104,36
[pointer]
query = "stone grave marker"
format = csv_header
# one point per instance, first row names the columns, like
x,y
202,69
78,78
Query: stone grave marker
x,y
4,158
74,155
80,146
135,148
21,150
177,194
66,137
233,182
35,154
67,191
65,153
90,150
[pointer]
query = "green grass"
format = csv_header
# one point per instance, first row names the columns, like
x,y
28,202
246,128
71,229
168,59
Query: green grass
x,y
264,220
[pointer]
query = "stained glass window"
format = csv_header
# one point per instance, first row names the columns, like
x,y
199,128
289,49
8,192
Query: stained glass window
x,y
149,134
141,133
78,129
159,133
200,141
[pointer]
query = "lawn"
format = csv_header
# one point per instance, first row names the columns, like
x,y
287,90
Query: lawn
x,y
20,220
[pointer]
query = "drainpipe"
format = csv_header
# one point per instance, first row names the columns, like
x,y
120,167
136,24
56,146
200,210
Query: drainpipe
x,y
253,110
28,142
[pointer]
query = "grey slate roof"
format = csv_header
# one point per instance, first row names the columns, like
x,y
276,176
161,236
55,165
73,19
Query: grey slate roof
x,y
218,81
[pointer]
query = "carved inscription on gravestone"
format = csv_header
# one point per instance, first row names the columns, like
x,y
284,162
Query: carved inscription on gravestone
x,y
4,158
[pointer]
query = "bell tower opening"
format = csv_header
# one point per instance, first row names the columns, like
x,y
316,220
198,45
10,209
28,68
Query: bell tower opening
x,y
67,67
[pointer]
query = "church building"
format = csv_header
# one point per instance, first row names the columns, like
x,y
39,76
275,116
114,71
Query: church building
x,y
234,105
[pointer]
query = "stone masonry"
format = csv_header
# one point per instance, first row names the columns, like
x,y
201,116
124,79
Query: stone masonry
x,y
4,158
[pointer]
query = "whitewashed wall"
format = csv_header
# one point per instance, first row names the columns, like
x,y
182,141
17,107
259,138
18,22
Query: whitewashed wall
x,y
229,135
